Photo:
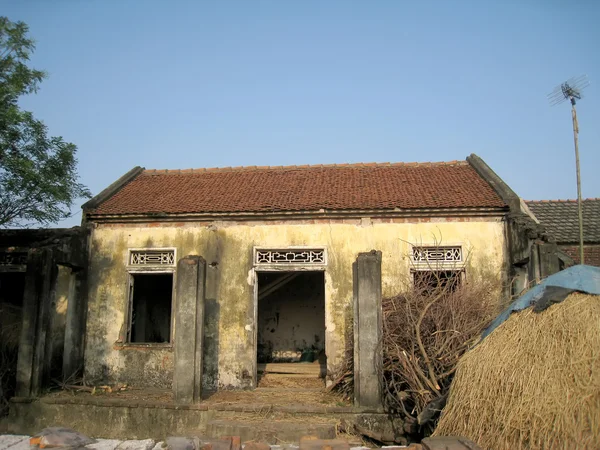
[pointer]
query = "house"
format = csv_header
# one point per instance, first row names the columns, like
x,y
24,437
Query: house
x,y
195,279
561,220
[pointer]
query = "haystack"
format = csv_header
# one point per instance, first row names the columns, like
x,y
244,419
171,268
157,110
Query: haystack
x,y
534,383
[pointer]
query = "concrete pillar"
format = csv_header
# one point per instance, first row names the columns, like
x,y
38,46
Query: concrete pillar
x,y
41,358
189,329
549,263
40,281
367,329
75,325
29,324
534,265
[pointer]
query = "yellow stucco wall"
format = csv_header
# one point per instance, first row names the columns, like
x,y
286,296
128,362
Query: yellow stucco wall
x,y
227,249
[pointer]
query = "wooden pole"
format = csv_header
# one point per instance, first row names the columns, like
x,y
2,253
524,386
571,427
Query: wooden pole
x,y
579,205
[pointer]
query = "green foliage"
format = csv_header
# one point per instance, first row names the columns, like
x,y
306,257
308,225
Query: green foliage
x,y
38,173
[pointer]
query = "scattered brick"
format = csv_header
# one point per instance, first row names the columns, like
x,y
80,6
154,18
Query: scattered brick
x,y
221,444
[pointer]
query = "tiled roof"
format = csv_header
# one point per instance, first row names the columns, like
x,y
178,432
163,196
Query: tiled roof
x,y
373,186
561,219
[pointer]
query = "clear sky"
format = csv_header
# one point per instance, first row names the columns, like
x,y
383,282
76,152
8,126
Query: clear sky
x,y
180,84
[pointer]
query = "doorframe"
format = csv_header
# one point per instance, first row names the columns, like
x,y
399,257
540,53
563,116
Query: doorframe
x,y
286,268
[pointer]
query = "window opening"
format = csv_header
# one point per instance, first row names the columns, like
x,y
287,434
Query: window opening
x,y
150,300
430,282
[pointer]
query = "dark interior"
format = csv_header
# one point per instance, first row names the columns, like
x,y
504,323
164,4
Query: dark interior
x,y
151,308
12,285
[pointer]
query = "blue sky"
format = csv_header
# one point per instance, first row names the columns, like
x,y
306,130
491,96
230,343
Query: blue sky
x,y
180,84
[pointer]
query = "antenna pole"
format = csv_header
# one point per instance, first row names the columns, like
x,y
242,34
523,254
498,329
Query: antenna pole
x,y
579,206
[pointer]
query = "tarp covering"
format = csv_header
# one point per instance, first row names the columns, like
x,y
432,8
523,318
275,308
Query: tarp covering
x,y
553,289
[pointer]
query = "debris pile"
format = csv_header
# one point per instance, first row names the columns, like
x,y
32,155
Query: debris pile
x,y
426,331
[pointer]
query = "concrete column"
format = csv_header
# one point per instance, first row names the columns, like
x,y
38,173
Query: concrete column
x,y
29,324
32,364
189,329
534,265
41,358
549,263
75,325
367,329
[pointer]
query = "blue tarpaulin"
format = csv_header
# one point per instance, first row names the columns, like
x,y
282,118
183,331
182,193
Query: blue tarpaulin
x,y
579,278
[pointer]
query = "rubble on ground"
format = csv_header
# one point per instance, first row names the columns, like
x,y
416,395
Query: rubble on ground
x,y
66,438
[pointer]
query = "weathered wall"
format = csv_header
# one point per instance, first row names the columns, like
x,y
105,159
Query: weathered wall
x,y
227,248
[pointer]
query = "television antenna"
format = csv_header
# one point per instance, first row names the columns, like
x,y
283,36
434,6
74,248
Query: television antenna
x,y
571,90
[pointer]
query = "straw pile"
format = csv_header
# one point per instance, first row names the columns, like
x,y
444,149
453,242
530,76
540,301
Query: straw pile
x,y
534,383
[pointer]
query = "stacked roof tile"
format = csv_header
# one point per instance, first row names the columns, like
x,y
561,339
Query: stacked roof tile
x,y
374,186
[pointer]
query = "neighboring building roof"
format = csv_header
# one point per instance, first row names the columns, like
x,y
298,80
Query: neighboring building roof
x,y
384,186
561,219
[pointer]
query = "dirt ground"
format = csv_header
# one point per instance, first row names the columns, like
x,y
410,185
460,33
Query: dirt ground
x,y
272,390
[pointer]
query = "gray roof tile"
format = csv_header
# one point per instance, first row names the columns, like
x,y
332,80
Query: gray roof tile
x,y
560,219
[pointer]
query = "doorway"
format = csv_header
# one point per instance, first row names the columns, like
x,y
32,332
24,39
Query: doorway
x,y
291,327
12,286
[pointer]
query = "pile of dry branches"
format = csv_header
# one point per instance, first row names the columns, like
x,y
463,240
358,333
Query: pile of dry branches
x,y
426,330
343,378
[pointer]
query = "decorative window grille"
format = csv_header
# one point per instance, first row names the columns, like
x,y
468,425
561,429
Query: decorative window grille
x,y
13,258
152,257
437,254
314,256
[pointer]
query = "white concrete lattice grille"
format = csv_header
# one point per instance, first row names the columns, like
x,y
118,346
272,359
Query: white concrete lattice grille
x,y
290,256
152,257
437,254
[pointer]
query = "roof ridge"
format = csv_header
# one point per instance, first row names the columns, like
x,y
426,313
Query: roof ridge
x,y
568,200
304,166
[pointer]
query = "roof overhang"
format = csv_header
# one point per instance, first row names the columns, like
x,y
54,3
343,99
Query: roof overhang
x,y
296,215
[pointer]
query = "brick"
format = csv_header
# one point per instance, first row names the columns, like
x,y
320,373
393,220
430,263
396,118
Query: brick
x,y
221,444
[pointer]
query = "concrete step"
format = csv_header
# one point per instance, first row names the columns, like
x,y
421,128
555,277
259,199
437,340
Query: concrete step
x,y
271,431
308,369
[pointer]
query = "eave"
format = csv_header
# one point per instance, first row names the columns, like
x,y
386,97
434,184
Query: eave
x,y
296,215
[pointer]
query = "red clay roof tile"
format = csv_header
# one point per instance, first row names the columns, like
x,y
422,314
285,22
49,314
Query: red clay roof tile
x,y
334,187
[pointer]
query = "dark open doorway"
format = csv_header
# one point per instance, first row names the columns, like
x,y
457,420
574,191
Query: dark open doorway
x,y
291,324
12,285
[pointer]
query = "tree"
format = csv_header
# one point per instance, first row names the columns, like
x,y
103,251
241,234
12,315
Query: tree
x,y
38,173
